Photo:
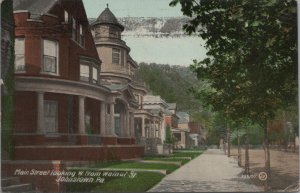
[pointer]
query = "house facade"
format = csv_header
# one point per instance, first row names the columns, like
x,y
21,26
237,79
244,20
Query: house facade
x,y
134,115
183,131
61,101
117,71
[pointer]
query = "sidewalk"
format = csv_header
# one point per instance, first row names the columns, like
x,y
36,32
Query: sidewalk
x,y
210,172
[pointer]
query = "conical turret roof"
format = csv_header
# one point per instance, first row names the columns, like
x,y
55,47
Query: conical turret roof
x,y
107,17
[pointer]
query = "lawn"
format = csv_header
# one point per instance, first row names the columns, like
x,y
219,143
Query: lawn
x,y
143,182
186,154
137,165
175,159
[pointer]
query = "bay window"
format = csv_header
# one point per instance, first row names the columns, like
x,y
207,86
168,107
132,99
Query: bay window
x,y
19,54
50,56
84,72
81,35
95,75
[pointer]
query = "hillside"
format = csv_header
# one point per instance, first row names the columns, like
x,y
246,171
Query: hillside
x,y
172,83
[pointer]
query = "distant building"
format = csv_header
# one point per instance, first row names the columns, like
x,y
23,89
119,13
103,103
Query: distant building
x,y
171,119
155,134
197,133
156,106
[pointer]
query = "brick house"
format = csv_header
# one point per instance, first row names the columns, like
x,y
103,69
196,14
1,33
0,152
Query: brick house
x,y
63,110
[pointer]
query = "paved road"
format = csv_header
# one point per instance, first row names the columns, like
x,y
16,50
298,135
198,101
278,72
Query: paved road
x,y
210,172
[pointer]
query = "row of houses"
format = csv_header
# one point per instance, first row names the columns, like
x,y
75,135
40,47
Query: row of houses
x,y
76,97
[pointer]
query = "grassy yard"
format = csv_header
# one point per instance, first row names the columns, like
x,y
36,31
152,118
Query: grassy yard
x,y
175,159
137,165
142,182
186,154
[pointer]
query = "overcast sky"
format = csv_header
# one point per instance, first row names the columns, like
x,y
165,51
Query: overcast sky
x,y
173,51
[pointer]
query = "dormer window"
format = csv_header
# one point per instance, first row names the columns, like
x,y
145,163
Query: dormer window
x,y
116,56
50,56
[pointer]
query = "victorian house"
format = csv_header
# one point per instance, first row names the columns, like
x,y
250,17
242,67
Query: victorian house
x,y
133,118
70,102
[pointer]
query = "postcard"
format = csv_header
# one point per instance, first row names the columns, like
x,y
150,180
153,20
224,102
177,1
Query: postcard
x,y
149,96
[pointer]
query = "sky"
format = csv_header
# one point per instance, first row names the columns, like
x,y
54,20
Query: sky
x,y
173,51
132,8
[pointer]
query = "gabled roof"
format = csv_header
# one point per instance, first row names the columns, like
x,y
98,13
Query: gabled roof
x,y
107,17
35,7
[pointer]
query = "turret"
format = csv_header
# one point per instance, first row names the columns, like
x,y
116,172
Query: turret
x,y
117,65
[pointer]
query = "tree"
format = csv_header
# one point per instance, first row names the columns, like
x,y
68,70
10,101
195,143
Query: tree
x,y
7,72
169,136
252,57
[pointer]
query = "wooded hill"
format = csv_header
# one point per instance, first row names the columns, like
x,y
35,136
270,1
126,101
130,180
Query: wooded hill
x,y
172,83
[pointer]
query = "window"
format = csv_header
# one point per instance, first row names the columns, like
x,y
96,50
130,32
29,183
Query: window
x,y
50,117
81,35
50,56
95,75
84,72
19,54
74,29
116,56
66,17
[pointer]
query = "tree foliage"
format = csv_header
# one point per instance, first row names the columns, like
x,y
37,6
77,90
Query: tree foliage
x,y
252,54
172,83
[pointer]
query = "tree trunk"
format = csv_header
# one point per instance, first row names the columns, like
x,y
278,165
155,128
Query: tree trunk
x,y
239,150
267,159
247,164
224,146
294,143
228,140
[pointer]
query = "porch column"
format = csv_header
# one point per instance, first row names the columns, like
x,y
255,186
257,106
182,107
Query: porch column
x,y
81,121
153,129
102,118
159,130
183,139
127,125
112,119
40,113
131,115
143,126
